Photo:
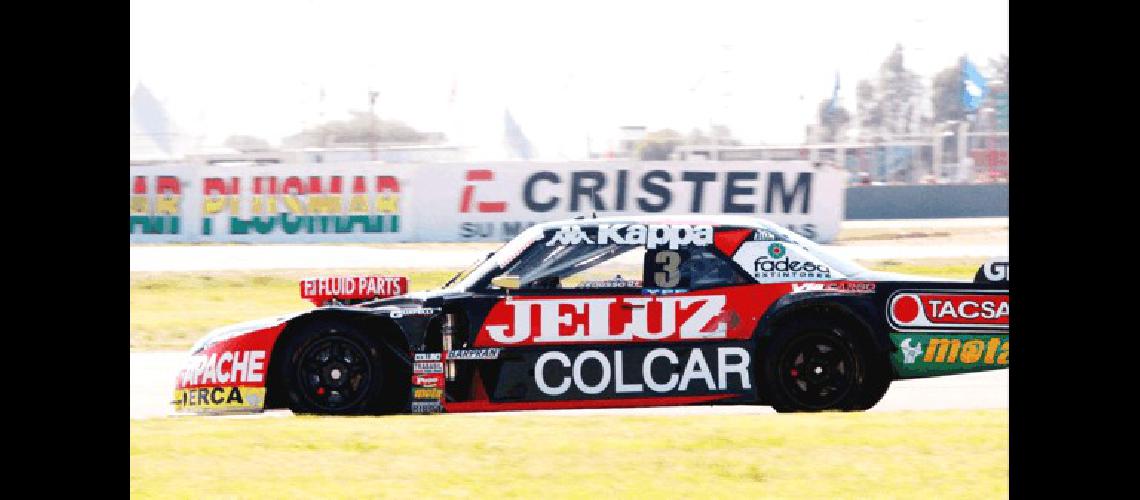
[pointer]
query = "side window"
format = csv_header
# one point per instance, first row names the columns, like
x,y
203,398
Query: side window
x,y
706,268
689,268
554,265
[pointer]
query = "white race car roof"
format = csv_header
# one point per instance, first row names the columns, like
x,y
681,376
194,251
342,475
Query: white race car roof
x,y
691,219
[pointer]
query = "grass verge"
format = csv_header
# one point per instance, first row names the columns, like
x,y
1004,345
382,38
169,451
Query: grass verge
x,y
944,454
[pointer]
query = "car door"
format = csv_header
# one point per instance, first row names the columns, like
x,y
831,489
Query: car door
x,y
591,319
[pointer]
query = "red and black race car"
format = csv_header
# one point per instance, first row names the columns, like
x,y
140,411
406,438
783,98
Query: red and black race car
x,y
611,312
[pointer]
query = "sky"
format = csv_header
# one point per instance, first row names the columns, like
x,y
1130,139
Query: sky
x,y
569,72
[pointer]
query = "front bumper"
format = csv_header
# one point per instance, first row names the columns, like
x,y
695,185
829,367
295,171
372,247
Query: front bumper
x,y
228,371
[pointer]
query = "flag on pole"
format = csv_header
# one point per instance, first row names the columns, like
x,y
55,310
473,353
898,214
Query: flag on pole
x,y
973,86
151,118
517,143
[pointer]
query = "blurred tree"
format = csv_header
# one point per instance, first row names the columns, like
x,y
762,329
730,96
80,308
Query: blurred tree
x,y
899,94
832,121
868,108
658,145
247,143
361,128
948,94
722,136
718,135
1000,67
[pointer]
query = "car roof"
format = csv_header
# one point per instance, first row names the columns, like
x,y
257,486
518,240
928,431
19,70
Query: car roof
x,y
691,219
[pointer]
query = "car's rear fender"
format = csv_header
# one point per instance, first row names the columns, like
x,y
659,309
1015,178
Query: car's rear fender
x,y
851,308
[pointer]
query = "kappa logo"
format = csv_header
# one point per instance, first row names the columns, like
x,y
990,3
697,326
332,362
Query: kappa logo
x,y
563,320
948,310
652,236
910,351
569,235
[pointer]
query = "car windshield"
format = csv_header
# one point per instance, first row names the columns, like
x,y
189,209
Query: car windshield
x,y
497,259
512,249
844,265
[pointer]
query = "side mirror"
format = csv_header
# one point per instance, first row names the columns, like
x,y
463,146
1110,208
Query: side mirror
x,y
506,281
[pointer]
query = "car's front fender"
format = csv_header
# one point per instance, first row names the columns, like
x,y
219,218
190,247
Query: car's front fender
x,y
228,370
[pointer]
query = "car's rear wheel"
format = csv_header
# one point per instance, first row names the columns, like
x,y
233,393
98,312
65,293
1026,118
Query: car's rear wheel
x,y
332,368
817,365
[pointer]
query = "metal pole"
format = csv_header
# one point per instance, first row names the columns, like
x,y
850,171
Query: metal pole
x,y
372,122
963,141
936,155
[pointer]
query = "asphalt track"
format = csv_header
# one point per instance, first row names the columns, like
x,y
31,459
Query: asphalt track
x,y
153,375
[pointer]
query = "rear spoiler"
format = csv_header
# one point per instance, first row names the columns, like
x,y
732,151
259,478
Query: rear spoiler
x,y
336,290
995,270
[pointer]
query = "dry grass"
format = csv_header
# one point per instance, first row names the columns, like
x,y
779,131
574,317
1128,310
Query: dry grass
x,y
942,454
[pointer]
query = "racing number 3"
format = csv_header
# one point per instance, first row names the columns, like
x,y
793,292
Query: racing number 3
x,y
670,274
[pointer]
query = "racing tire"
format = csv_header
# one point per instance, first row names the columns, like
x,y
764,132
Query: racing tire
x,y
333,368
813,365
876,382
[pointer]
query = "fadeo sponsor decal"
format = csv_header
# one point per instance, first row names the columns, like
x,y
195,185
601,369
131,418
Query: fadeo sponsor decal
x,y
226,367
641,372
781,262
517,321
208,398
926,310
652,236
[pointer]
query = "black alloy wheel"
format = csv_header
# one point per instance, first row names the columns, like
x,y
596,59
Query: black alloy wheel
x,y
819,364
335,374
331,367
817,371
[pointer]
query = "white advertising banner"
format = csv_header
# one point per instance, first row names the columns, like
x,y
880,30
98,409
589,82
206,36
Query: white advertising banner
x,y
363,202
494,201
442,202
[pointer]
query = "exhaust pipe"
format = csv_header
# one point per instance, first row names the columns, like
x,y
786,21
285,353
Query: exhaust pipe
x,y
448,331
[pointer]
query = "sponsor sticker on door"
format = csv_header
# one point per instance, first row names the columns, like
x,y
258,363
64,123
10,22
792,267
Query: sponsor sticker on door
x,y
948,310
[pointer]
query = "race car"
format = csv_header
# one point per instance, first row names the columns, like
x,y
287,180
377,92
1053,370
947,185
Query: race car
x,y
611,312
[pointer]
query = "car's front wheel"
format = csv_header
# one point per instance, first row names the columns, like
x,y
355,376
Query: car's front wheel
x,y
818,365
333,368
